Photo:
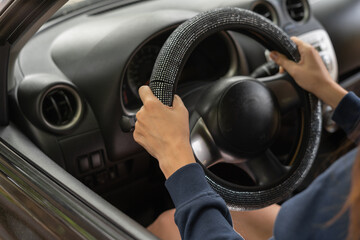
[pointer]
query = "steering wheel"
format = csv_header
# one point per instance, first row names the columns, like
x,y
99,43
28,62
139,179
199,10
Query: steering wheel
x,y
236,120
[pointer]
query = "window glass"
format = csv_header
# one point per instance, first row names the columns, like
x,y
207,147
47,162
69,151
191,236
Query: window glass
x,y
4,4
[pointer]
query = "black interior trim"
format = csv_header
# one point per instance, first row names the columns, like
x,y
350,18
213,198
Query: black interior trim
x,y
4,113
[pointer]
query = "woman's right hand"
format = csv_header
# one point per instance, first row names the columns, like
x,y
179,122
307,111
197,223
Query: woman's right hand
x,y
311,74
164,131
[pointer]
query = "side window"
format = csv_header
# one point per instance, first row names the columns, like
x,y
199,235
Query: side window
x,y
4,4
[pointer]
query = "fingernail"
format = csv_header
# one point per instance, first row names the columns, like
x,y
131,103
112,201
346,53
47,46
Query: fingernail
x,y
273,55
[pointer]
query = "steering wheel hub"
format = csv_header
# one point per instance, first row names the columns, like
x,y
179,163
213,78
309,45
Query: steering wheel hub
x,y
248,117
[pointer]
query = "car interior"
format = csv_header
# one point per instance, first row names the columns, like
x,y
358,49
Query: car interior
x,y
74,90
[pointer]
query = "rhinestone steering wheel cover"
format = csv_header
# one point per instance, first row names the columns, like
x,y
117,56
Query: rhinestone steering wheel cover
x,y
170,63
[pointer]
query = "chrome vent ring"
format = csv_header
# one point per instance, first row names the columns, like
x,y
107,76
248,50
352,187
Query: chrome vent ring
x,y
61,107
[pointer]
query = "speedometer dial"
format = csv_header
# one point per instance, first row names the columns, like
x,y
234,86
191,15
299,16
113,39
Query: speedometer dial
x,y
140,68
214,58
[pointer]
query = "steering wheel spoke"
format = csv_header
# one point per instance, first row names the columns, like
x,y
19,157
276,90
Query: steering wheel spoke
x,y
203,145
206,150
285,91
266,169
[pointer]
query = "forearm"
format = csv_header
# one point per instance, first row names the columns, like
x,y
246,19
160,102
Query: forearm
x,y
256,224
175,158
330,93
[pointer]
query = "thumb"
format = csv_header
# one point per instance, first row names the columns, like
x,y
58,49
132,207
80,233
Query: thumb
x,y
146,94
283,61
177,102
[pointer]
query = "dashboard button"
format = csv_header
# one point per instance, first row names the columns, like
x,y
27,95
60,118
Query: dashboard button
x,y
84,165
96,160
327,61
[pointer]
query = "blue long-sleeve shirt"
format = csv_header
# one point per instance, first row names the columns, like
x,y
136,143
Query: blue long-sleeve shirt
x,y
202,214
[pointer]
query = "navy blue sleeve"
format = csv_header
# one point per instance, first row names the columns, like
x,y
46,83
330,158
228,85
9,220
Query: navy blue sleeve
x,y
347,116
200,212
312,213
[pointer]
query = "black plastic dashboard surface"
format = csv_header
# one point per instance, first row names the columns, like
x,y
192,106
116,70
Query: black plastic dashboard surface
x,y
103,55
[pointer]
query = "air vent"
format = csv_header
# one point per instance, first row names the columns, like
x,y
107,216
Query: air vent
x,y
264,10
61,107
297,9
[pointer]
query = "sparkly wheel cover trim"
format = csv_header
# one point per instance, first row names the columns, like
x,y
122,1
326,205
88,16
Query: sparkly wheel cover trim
x,y
170,63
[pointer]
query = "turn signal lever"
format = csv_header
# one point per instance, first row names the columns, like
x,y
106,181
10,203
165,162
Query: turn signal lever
x,y
127,123
265,70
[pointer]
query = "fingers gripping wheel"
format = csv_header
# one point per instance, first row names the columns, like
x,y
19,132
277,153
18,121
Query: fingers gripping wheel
x,y
169,65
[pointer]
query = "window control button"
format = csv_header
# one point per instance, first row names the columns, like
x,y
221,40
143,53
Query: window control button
x,y
96,160
84,164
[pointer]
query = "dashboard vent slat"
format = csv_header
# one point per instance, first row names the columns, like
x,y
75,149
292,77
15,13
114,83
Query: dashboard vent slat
x,y
296,9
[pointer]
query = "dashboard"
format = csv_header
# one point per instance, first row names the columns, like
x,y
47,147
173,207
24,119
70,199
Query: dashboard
x,y
75,82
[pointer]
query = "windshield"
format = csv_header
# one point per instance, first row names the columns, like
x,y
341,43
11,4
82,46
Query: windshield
x,y
73,5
